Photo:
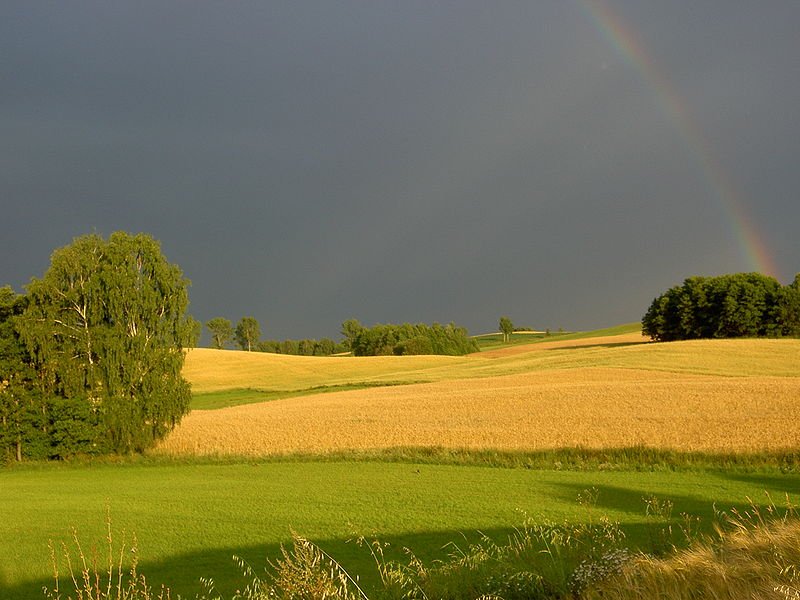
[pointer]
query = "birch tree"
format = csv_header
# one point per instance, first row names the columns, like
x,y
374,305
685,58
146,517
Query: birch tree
x,y
107,328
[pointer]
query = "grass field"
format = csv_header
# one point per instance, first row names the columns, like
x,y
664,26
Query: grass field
x,y
419,450
191,518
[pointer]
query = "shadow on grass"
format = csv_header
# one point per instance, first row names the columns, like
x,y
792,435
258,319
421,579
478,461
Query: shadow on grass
x,y
182,573
649,533
770,482
632,501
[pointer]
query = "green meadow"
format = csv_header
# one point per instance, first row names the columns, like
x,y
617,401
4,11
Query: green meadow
x,y
190,518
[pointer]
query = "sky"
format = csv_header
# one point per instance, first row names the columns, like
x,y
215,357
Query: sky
x,y
562,162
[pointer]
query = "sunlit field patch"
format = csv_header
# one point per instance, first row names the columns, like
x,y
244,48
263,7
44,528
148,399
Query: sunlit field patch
x,y
597,408
603,392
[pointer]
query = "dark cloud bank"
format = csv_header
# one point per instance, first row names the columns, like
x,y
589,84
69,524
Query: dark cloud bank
x,y
307,162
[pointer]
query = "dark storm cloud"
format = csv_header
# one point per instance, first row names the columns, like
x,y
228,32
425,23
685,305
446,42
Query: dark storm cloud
x,y
308,162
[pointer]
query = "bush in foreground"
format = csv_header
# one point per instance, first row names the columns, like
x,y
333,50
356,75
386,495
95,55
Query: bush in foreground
x,y
753,557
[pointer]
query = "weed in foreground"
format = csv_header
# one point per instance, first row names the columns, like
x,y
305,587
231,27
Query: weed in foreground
x,y
90,576
753,554
536,561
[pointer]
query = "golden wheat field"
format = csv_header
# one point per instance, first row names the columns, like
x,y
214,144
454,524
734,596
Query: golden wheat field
x,y
711,395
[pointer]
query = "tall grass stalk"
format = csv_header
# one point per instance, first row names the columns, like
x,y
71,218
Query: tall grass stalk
x,y
87,576
753,554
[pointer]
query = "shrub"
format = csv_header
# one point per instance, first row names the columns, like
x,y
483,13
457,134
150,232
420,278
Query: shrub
x,y
412,339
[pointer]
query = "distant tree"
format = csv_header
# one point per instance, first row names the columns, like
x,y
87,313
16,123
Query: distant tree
x,y
106,328
306,347
351,328
737,305
325,347
506,328
288,347
196,329
788,309
22,412
383,340
272,346
416,345
221,332
247,333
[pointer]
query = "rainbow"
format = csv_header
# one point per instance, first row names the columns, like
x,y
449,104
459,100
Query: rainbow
x,y
754,252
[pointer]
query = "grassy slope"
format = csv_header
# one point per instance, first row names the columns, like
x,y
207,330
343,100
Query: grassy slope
x,y
191,518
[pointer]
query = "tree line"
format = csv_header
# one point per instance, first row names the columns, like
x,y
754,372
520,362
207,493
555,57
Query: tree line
x,y
247,334
407,338
91,355
737,305
378,340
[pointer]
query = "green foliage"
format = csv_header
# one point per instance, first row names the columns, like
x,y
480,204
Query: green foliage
x,y
105,330
728,306
20,405
788,310
412,339
247,333
306,347
195,329
221,332
506,328
351,328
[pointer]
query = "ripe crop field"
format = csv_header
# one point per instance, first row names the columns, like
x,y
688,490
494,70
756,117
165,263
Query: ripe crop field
x,y
596,392
598,408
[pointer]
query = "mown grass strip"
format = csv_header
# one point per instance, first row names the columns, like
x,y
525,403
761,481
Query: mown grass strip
x,y
633,459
